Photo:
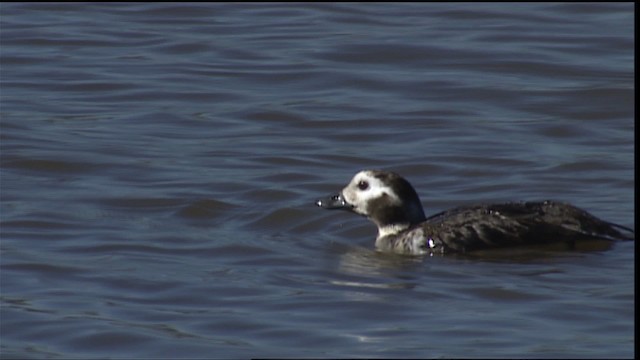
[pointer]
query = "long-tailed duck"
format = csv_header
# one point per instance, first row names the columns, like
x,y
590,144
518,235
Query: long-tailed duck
x,y
393,205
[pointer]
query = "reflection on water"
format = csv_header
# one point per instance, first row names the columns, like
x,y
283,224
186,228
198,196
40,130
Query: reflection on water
x,y
364,267
370,268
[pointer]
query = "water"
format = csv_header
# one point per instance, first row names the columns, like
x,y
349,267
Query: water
x,y
160,161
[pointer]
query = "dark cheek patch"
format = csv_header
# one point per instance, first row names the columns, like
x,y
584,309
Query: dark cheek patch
x,y
383,212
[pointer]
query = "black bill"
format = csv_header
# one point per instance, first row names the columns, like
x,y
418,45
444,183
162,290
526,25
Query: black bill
x,y
333,202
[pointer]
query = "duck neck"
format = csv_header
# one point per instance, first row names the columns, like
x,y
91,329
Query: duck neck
x,y
392,229
392,220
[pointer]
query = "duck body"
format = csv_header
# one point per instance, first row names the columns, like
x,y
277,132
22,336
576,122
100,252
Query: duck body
x,y
393,205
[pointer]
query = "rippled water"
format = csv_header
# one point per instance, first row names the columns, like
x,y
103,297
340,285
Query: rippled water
x,y
159,164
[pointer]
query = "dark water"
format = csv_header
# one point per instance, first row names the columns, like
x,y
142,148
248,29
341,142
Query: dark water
x,y
160,161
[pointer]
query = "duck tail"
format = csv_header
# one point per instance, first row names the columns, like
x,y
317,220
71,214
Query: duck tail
x,y
620,232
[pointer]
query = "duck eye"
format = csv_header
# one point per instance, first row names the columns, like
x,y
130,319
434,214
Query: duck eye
x,y
363,185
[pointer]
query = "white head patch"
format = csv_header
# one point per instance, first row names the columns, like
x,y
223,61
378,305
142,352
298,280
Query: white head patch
x,y
365,187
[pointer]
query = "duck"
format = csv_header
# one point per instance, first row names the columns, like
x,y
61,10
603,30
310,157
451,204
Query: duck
x,y
393,205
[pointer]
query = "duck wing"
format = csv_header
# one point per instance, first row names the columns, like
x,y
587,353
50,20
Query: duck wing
x,y
498,225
